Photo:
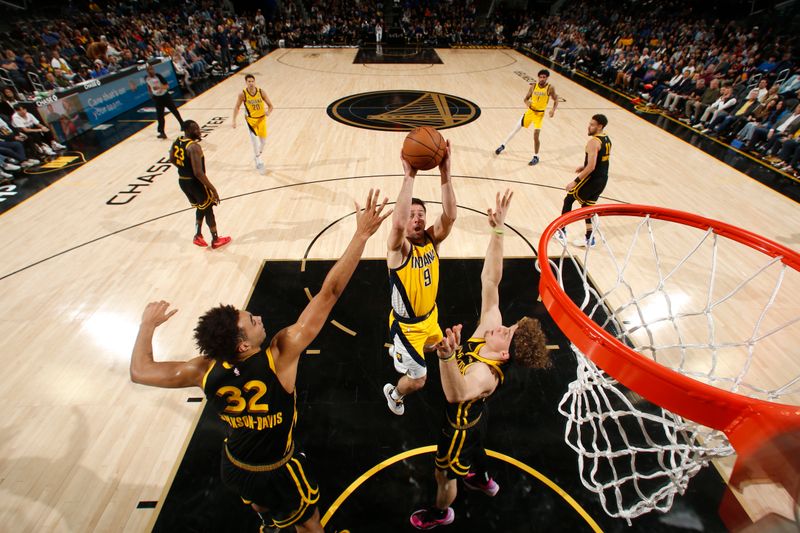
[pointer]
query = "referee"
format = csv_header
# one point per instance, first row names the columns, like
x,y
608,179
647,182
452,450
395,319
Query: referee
x,y
159,91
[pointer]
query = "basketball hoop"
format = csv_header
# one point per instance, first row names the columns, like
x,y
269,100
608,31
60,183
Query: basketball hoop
x,y
684,312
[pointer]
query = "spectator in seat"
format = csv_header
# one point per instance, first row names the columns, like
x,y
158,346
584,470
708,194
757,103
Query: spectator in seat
x,y
790,84
11,145
659,95
768,66
182,71
17,76
58,62
790,154
82,75
686,88
763,90
785,128
723,121
38,133
30,64
723,104
764,116
197,64
99,69
8,100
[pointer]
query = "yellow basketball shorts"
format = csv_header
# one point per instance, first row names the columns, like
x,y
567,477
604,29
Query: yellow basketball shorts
x,y
533,117
410,338
258,126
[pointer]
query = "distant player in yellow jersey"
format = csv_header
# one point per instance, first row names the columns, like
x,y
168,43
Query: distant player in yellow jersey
x,y
536,101
257,107
413,262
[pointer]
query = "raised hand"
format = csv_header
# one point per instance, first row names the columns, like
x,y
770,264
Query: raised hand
x,y
497,217
449,343
369,219
408,170
444,166
155,313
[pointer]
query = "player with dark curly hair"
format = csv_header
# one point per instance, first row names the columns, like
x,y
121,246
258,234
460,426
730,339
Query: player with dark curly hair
x,y
253,390
470,375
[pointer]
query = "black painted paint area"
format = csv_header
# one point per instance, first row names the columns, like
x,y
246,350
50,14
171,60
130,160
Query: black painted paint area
x,y
346,428
392,55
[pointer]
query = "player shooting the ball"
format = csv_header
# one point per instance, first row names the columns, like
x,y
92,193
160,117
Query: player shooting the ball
x,y
413,262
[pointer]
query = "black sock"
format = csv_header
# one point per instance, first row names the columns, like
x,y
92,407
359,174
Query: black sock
x,y
214,234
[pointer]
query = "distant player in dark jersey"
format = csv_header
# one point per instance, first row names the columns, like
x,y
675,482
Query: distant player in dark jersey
x,y
187,156
253,390
592,177
470,375
413,260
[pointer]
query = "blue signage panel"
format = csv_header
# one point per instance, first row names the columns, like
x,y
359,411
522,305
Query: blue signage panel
x,y
94,102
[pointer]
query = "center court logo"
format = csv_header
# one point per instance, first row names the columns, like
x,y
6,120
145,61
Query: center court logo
x,y
403,110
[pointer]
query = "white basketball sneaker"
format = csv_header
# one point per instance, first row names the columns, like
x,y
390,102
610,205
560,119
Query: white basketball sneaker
x,y
395,406
585,243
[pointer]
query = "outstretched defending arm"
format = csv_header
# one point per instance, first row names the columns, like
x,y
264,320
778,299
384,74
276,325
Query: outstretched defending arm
x,y
492,271
290,342
441,228
169,374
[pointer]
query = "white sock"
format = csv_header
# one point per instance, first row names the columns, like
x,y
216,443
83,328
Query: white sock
x,y
396,396
513,132
254,142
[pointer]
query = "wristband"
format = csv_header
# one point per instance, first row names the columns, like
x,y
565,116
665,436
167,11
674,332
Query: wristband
x,y
448,358
498,231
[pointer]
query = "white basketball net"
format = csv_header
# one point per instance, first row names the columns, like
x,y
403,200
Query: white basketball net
x,y
698,303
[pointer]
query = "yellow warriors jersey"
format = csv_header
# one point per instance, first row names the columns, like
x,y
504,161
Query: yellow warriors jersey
x,y
540,97
255,106
415,283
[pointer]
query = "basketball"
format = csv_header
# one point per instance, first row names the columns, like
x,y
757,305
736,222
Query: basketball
x,y
424,148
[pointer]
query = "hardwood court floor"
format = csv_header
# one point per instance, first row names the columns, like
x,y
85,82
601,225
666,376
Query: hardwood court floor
x,y
82,445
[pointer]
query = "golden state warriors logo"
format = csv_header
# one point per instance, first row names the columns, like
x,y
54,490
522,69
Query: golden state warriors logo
x,y
403,110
